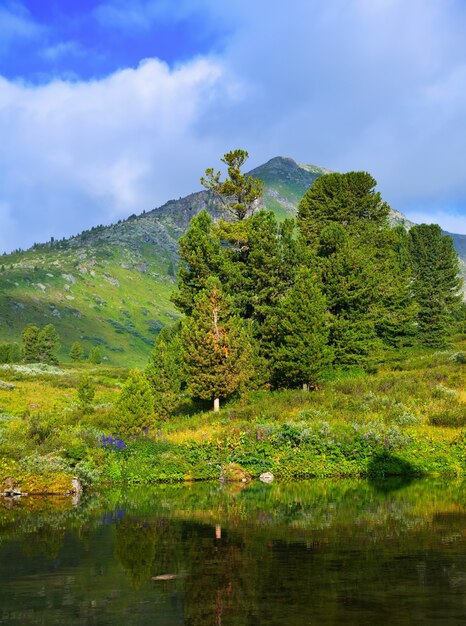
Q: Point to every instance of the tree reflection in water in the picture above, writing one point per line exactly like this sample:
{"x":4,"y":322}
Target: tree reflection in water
{"x":321,"y":552}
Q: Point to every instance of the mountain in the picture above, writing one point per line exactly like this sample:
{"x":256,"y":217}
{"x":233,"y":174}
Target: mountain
{"x":110,"y":286}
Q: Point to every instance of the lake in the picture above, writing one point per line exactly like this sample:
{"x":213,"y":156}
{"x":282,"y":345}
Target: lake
{"x":320,"y":552}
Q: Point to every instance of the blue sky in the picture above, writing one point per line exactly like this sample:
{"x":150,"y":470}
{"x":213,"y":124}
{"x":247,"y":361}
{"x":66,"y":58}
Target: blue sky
{"x":112,"y":107}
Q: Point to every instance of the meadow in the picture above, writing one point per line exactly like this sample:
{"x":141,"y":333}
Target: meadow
{"x":407,"y":416}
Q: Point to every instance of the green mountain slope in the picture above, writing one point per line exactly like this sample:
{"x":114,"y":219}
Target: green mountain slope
{"x":110,"y":286}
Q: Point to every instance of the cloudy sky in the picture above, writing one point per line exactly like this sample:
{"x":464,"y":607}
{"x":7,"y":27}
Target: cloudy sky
{"x":111,"y":107}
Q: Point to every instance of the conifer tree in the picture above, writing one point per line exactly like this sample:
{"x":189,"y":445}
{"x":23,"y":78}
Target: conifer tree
{"x":134,"y":409}
{"x":344,"y":227}
{"x":48,"y":343}
{"x":30,"y":337}
{"x":347,"y":199}
{"x":217,"y":349}
{"x":4,"y":352}
{"x":238,"y":193}
{"x":303,"y":331}
{"x":164,"y":371}
{"x":436,"y":282}
{"x":76,"y":351}
{"x":201,"y":257}
{"x":95,"y":355}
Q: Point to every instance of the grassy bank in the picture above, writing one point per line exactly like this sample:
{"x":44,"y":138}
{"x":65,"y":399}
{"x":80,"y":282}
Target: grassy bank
{"x":406,"y":418}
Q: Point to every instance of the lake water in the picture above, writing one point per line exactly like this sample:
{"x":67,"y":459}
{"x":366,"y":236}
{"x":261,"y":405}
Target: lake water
{"x":320,"y":552}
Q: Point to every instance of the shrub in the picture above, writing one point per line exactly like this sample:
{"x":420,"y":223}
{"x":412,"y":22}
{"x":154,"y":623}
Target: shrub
{"x":134,"y":409}
{"x":95,"y":356}
{"x":86,"y":392}
{"x":451,"y":414}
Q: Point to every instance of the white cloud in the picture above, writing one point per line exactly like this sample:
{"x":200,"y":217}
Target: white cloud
{"x":378,"y":85}
{"x":84,"y":153}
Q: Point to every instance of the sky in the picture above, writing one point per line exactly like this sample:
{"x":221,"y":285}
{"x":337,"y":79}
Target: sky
{"x":112,"y":107}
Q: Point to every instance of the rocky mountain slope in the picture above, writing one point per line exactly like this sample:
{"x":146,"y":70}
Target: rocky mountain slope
{"x":110,"y":286}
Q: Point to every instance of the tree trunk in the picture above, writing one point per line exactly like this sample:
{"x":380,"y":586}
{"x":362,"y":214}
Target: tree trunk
{"x":216,"y":405}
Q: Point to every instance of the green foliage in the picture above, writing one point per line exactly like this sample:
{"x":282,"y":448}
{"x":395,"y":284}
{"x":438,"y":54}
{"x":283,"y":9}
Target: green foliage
{"x":347,"y":199}
{"x":4,"y":352}
{"x":30,"y":338}
{"x":449,"y":412}
{"x":134,"y":409}
{"x":86,"y":392}
{"x":201,"y":258}
{"x":15,"y":353}
{"x":436,"y":283}
{"x":40,"y":345}
{"x":344,"y":227}
{"x":164,"y":371}
{"x":217,"y":349}
{"x":238,"y":193}
{"x":302,"y":344}
{"x":95,"y":355}
{"x":76,"y":351}
{"x":48,"y":344}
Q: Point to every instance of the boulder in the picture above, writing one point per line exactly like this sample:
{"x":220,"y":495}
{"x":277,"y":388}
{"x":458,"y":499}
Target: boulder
{"x":267,"y":477}
{"x":234,"y":473}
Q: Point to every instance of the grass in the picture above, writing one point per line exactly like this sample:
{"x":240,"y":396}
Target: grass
{"x":408,"y":417}
{"x":80,"y":292}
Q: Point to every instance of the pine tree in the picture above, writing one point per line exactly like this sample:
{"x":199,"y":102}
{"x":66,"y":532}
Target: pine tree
{"x":303,"y":332}
{"x":436,"y":282}
{"x":260,"y":260}
{"x":95,"y":356}
{"x":201,"y":258}
{"x":48,"y":343}
{"x":345,"y":232}
{"x":134,"y":409}
{"x":30,"y":337}
{"x":217,"y":349}
{"x":76,"y":351}
{"x":238,"y":193}
{"x":347,"y":199}
{"x":4,"y":352}
{"x":164,"y":371}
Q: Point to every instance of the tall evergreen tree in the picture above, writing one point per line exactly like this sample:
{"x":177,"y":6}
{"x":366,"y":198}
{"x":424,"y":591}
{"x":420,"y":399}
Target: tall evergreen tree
{"x":303,"y":331}
{"x":30,"y":337}
{"x":238,"y":193}
{"x":217,"y":349}
{"x":48,"y":343}
{"x":200,"y":258}
{"x":344,"y":227}
{"x":164,"y":371}
{"x":436,"y":282}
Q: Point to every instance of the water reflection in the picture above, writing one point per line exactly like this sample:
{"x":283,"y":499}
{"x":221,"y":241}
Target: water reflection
{"x":320,"y":552}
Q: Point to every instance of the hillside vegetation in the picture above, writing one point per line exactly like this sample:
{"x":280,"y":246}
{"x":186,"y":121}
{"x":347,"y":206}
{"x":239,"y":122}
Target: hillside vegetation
{"x":366,"y":315}
{"x":110,"y":286}
{"x":408,"y":417}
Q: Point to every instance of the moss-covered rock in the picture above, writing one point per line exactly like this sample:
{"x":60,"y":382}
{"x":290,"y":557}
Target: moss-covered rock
{"x":234,"y":473}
